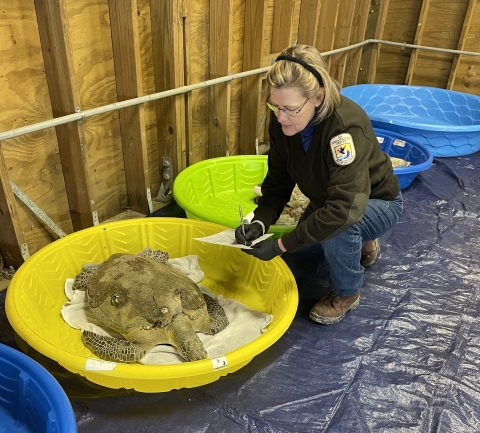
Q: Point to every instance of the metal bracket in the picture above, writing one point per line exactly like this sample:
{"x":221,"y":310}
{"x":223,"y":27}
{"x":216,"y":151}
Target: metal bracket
{"x":78,"y":110}
{"x":24,"y":251}
{"x":163,"y":192}
{"x":96,"y":221}
{"x":149,"y":201}
{"x":36,"y":210}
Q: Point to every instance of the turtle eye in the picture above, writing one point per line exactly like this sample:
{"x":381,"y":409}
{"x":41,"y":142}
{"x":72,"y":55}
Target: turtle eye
{"x":117,"y":300}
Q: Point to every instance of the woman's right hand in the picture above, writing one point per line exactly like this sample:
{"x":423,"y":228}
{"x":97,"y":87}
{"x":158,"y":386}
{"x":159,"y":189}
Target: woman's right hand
{"x":252,"y":231}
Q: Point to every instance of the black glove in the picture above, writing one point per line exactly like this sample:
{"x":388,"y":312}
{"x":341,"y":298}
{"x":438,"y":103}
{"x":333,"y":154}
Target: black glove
{"x":265,"y":250}
{"x":252,"y":231}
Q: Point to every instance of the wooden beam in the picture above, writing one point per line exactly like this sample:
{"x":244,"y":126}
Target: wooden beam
{"x":422,"y":20}
{"x":359,"y":27}
{"x":128,"y":76}
{"x":189,"y":36}
{"x":461,"y":42}
{"x":308,"y":21}
{"x":168,"y":50}
{"x":282,"y":25}
{"x":11,"y":233}
{"x":221,"y":22}
{"x":53,"y":28}
{"x":375,"y":29}
{"x":342,"y":38}
{"x":255,"y":11}
{"x":327,"y":27}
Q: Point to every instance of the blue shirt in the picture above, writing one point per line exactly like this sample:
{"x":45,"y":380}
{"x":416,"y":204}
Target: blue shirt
{"x":307,"y":133}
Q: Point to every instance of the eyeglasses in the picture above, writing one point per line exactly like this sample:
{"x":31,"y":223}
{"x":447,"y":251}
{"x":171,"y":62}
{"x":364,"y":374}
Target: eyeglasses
{"x":289,"y":113}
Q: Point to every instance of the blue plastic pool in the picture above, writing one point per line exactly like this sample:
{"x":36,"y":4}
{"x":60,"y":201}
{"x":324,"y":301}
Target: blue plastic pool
{"x":398,"y":146}
{"x":444,"y":121}
{"x":31,"y":400}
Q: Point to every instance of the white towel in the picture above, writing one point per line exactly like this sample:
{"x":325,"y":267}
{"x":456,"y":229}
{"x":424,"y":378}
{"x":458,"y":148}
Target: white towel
{"x":245,"y":324}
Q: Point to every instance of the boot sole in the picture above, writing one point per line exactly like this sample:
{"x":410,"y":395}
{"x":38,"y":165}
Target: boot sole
{"x":331,"y":320}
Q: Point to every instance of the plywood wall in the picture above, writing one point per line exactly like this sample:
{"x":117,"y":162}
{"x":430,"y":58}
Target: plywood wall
{"x":60,"y":56}
{"x":449,"y":24}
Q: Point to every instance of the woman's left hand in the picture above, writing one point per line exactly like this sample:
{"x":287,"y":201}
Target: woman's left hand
{"x":265,"y":250}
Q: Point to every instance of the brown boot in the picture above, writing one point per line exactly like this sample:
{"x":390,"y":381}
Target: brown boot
{"x":370,"y":253}
{"x":333,"y":308}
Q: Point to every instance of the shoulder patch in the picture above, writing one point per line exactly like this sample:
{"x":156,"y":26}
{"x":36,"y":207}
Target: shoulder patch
{"x":343,"y":149}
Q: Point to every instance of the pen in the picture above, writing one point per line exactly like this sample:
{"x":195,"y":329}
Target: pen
{"x":241,"y":219}
{"x":240,"y":211}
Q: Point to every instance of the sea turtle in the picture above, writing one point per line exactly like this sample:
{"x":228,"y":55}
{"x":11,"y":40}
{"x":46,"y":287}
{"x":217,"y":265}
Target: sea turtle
{"x":149,"y":303}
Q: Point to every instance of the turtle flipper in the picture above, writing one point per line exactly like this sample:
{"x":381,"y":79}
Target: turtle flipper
{"x":218,"y":319}
{"x":186,"y":340}
{"x":82,"y":279}
{"x":157,"y":255}
{"x":113,"y":349}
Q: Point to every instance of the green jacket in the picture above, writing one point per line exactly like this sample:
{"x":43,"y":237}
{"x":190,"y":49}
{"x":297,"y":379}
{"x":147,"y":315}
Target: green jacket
{"x":338,"y":186}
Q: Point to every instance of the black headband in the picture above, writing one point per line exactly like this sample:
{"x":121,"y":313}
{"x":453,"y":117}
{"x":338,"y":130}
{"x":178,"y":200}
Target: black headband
{"x":305,"y":65}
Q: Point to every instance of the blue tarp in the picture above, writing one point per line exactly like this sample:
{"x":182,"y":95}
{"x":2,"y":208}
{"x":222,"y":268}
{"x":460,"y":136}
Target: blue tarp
{"x":407,"y":359}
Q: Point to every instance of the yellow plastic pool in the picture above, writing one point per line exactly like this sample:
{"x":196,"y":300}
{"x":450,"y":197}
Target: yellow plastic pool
{"x":36,"y":295}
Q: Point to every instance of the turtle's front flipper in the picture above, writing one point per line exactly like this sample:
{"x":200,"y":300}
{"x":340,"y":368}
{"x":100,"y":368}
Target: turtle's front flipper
{"x":218,"y":319}
{"x":113,"y":349}
{"x":186,"y":340}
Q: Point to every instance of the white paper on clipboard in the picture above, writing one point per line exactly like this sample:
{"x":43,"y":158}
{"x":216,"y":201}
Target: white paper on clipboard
{"x":227,"y":238}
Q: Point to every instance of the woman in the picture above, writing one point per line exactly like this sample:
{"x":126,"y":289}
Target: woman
{"x":325,"y":143}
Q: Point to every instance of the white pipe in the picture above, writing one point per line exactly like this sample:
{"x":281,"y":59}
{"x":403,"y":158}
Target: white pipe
{"x":442,"y":50}
{"x":123,"y":104}
{"x":184,"y":89}
{"x":347,"y":48}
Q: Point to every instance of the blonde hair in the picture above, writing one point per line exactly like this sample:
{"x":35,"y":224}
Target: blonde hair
{"x":288,"y":73}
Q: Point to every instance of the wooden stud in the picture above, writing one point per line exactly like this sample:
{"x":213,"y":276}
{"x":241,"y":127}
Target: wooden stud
{"x":359,"y":26}
{"x":168,"y":50}
{"x":375,"y":29}
{"x":343,"y":29}
{"x":189,"y":35}
{"x":282,"y":25}
{"x":422,"y":20}
{"x":58,"y":59}
{"x":327,"y":27}
{"x":11,"y":233}
{"x":378,"y":35}
{"x":221,"y":21}
{"x":128,"y":76}
{"x":461,"y":42}
{"x":308,"y":21}
{"x":251,"y":86}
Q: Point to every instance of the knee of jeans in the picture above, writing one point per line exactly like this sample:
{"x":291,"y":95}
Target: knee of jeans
{"x":352,"y":232}
{"x":351,"y":235}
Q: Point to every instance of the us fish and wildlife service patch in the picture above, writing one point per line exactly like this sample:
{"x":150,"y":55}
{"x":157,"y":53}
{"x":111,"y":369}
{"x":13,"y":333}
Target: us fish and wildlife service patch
{"x":343,"y":149}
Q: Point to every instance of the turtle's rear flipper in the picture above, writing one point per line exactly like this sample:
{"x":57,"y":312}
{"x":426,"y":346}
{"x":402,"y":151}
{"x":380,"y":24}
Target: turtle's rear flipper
{"x":113,"y":349}
{"x":186,"y":340}
{"x":218,"y":319}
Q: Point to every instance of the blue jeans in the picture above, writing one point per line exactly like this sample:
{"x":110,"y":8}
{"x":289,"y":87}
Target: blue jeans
{"x":343,"y":252}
